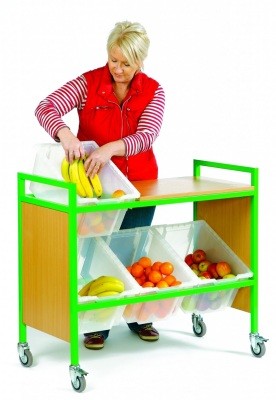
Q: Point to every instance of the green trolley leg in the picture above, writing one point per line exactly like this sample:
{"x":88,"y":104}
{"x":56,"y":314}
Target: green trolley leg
{"x":25,"y":355}
{"x":257,"y":342}
{"x":77,"y":374}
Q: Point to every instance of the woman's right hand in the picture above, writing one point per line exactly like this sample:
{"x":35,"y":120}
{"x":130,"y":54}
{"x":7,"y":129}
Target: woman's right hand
{"x":72,"y":146}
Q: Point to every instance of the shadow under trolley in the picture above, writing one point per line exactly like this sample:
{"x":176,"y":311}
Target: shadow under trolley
{"x":48,"y":259}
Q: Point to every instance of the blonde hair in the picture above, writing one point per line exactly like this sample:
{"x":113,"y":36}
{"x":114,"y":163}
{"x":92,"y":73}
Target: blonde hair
{"x":132,"y":39}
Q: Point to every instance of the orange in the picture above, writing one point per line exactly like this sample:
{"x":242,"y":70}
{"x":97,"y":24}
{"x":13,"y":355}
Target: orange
{"x":143,"y":278}
{"x":162,"y":284}
{"x":176,"y":283}
{"x":83,"y":229}
{"x":100,"y":228}
{"x":166,"y":268}
{"x":145,"y":261}
{"x":147,"y":271}
{"x":139,"y":280}
{"x":96,"y":218}
{"x":148,"y":284}
{"x":155,"y":276}
{"x":129,"y":267}
{"x":137,"y":270}
{"x":156,"y":266}
{"x":118,"y":193}
{"x":169,"y":279}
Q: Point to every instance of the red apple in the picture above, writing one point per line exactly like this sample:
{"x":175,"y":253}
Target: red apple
{"x":194,"y":266}
{"x":199,"y":255}
{"x":189,"y":259}
{"x":206,"y":275}
{"x":223,"y":268}
{"x":213,"y":270}
{"x":203,"y":265}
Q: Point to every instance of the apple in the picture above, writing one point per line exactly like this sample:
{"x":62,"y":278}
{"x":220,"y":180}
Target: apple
{"x":212,"y":296}
{"x":189,"y":259}
{"x":206,"y":275}
{"x":229,"y":276}
{"x":195,"y":271}
{"x":223,"y":268}
{"x":199,"y":255}
{"x":213,"y":270}
{"x":189,"y":303}
{"x":194,"y":266}
{"x":203,"y":265}
{"x":96,"y":218}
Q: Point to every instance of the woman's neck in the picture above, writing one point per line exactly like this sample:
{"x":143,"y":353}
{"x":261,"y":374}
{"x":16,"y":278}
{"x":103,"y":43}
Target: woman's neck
{"x":120,"y":90}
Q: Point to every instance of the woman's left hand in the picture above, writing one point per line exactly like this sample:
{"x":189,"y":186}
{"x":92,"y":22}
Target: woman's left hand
{"x":99,"y":157}
{"x":95,"y":161}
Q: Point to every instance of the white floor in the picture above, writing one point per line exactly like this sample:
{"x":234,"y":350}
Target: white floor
{"x":179,"y":366}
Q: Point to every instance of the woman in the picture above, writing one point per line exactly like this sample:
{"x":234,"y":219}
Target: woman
{"x":121,"y":109}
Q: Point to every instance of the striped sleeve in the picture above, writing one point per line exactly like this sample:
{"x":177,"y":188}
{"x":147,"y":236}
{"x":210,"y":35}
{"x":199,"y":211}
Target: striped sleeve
{"x":149,"y":125}
{"x":49,"y":112}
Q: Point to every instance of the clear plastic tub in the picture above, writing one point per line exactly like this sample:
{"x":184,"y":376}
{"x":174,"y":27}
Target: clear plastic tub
{"x":96,"y":259}
{"x":131,"y":244}
{"x":187,"y":237}
{"x":48,"y":164}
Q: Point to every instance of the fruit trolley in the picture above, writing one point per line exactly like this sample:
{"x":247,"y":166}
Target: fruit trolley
{"x":48,"y":253}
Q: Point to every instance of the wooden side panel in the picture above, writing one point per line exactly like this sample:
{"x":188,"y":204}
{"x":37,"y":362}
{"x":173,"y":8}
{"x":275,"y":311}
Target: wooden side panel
{"x":230,"y":219}
{"x":46,"y":270}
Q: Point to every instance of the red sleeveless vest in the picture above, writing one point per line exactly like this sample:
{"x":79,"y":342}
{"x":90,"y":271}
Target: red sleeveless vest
{"x":104,"y":120}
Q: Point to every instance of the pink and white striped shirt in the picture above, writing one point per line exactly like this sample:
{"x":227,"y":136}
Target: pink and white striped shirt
{"x":73,"y":94}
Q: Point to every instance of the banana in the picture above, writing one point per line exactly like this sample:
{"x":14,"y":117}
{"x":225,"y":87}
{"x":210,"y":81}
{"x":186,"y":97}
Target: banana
{"x":106,"y":286}
{"x":85,"y":289}
{"x":104,"y":279}
{"x":102,"y":286}
{"x":85,"y":181}
{"x":74,"y":177}
{"x":97,"y":186}
{"x":65,"y":170}
{"x":108,"y":293}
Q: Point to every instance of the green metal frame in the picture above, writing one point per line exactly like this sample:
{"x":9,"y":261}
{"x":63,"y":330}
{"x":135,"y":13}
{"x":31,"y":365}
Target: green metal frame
{"x":254,"y":180}
{"x":73,"y":209}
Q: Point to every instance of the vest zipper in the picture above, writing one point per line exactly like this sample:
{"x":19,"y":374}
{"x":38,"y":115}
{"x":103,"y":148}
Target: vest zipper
{"x":122,"y":125}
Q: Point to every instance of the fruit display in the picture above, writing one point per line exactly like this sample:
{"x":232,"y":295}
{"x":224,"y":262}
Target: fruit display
{"x":102,"y":286}
{"x":75,"y":172}
{"x":150,"y":311}
{"x":93,"y":223}
{"x":153,"y":274}
{"x":204,"y":268}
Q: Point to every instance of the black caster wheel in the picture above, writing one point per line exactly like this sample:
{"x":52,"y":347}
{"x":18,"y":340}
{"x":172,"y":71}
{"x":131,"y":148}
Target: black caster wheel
{"x":79,"y":384}
{"x":26,"y":358}
{"x":200,"y":328}
{"x":258,"y":350}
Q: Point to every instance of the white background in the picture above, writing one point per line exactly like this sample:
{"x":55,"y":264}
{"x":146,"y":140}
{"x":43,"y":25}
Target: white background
{"x":216,"y":60}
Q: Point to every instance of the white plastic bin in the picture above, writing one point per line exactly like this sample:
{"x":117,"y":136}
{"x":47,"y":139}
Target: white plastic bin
{"x":48,"y":164}
{"x":131,"y":244}
{"x":187,"y":237}
{"x":96,"y":259}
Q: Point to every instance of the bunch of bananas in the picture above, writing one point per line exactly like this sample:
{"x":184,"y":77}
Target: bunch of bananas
{"x":75,"y":172}
{"x":103,"y":286}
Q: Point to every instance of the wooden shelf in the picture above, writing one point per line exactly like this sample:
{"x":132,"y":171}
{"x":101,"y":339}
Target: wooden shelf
{"x":185,"y":186}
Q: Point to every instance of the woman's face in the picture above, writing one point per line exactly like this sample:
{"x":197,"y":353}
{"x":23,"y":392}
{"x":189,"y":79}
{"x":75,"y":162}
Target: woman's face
{"x":119,"y":67}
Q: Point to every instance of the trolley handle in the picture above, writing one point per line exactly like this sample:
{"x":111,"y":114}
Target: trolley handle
{"x":22,"y":178}
{"x":197,"y":164}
